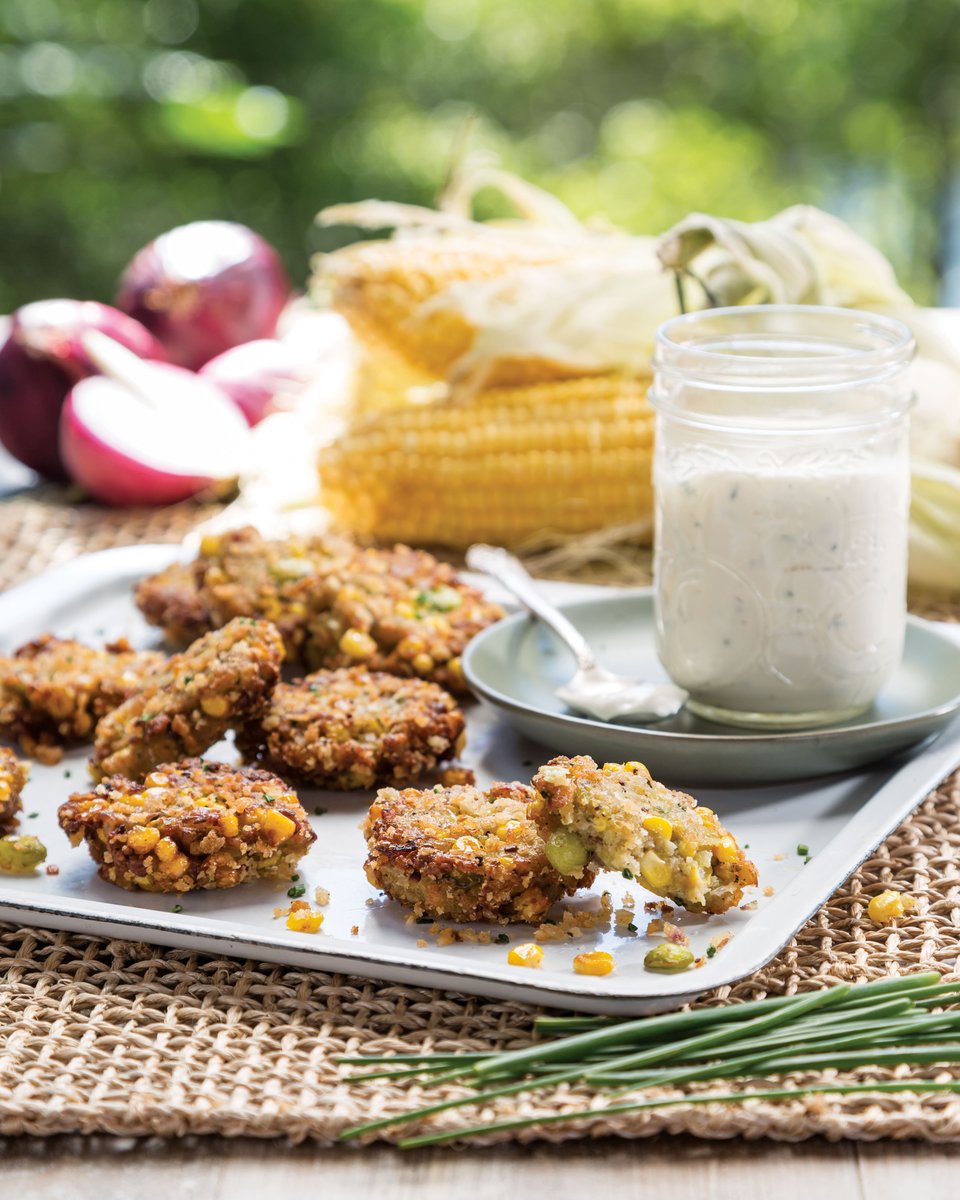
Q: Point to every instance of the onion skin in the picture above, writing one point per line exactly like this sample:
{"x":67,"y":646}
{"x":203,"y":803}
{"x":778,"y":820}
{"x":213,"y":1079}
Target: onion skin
{"x":204,"y":288}
{"x":41,"y":359}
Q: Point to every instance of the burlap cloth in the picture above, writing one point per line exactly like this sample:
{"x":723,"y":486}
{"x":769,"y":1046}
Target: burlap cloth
{"x":120,"y":1037}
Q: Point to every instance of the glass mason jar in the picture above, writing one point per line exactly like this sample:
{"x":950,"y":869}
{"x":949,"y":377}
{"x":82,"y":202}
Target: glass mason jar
{"x":782,"y":485}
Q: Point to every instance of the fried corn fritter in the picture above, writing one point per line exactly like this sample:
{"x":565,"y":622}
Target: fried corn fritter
{"x":172,"y":601}
{"x":355,"y":728}
{"x":399,"y":611}
{"x":335,"y":603}
{"x":13,"y":779}
{"x":463,"y":854}
{"x":53,"y":691}
{"x":223,"y":680}
{"x":190,"y":825}
{"x":625,"y":821}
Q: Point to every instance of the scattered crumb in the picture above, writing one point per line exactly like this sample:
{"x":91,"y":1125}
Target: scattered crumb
{"x":321,"y":897}
{"x":629,"y":901}
{"x":452,"y":776}
{"x":654,"y":927}
{"x":660,"y":906}
{"x":673,"y":933}
{"x":717,"y":943}
{"x":355,"y":930}
{"x":768,"y":890}
{"x":623,"y":916}
{"x":574,"y":924}
{"x":301,"y":918}
{"x":779,"y":857}
{"x":421,"y":943}
{"x":52,"y":869}
{"x":749,"y":906}
{"x":369,"y":902}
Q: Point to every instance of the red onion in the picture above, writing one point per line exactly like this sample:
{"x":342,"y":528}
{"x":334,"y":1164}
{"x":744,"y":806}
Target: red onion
{"x":41,"y":359}
{"x":261,"y":377}
{"x":204,"y":288}
{"x":149,"y":433}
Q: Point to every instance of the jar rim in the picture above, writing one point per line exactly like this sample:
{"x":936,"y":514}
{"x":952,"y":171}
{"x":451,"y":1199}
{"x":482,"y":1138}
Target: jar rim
{"x":887,"y":343}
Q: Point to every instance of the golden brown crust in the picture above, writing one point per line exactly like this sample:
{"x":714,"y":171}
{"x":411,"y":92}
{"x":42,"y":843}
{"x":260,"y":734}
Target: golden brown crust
{"x":629,"y":822}
{"x":337,"y":604}
{"x":190,"y":825}
{"x":171,"y":600}
{"x":53,"y":691}
{"x":354,"y":728}
{"x":462,"y":854}
{"x":13,"y":779}
{"x":224,"y":679}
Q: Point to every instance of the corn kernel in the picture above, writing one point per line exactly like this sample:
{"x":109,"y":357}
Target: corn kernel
{"x":509,"y":829}
{"x":635,"y":767}
{"x":304,"y":922}
{"x":176,"y":866}
{"x":166,"y":848}
{"x":595,"y":962}
{"x":142,"y":840}
{"x":686,"y":849}
{"x":527,"y":955}
{"x":658,"y":825}
{"x":467,"y":845}
{"x":356,"y":644}
{"x":422,"y":664}
{"x":612,"y":768}
{"x":654,"y":870}
{"x":277,"y":824}
{"x":889,"y":906}
{"x":726,"y":851}
{"x":210,"y":545}
{"x":229,"y":825}
{"x":214,"y":706}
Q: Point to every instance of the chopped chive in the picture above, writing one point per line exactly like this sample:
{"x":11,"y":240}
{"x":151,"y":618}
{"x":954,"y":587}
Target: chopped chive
{"x":177,"y":908}
{"x":502,"y":938}
{"x":711,"y":951}
{"x":297,"y":891}
{"x":627,"y":873}
{"x":802,"y":849}
{"x":318,"y":811}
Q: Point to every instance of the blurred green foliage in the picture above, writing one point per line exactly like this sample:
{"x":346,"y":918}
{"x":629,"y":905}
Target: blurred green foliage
{"x":121,"y":118}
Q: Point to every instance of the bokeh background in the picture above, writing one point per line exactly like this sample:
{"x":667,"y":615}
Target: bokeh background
{"x":121,"y":118}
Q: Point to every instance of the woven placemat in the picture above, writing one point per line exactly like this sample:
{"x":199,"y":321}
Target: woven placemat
{"x":109,"y":1036}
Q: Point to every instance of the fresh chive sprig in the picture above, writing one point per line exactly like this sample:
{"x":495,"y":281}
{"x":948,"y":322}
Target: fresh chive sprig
{"x":888,"y":1022}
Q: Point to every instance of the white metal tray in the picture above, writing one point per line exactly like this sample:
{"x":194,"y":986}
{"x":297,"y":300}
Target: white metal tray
{"x":840,"y":819}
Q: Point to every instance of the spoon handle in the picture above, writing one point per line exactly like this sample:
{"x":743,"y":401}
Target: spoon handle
{"x":503,"y":566}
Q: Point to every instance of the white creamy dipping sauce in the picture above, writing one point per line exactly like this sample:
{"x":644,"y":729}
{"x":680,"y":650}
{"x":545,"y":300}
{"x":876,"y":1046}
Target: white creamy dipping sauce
{"x":782,"y":587}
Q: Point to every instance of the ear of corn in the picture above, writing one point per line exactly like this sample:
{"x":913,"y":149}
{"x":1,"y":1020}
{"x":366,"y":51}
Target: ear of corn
{"x":503,"y":465}
{"x":527,"y":449}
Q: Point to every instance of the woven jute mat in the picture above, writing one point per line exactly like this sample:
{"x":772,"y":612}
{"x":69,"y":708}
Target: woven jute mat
{"x":101,"y":1036}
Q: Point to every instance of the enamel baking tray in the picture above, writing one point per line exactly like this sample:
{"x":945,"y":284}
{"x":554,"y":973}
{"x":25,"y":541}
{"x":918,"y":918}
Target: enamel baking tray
{"x":840,"y":819}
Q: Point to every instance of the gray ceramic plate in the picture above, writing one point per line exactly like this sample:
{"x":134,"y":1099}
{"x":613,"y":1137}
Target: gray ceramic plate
{"x":516,"y":665}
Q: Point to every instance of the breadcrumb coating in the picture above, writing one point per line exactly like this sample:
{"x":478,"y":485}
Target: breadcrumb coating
{"x":628,"y":822}
{"x":13,"y":779}
{"x":190,"y":825}
{"x":463,"y":854}
{"x":223,"y":680}
{"x":53,"y":691}
{"x":353,"y":728}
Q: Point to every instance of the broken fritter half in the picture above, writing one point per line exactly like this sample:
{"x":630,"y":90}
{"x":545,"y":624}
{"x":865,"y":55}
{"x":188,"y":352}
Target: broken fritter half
{"x":463,"y":854}
{"x":618,"y":817}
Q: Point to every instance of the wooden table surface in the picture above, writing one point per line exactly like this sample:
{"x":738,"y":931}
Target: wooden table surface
{"x":680,"y":1168}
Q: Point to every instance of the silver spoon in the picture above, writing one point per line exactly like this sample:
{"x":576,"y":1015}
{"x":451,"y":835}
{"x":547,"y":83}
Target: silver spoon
{"x":594,"y":690}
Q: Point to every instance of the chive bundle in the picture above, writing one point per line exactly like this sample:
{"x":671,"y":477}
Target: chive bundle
{"x":890,"y":1022}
